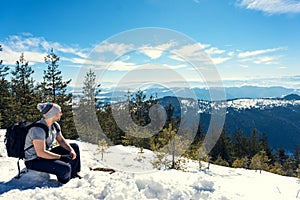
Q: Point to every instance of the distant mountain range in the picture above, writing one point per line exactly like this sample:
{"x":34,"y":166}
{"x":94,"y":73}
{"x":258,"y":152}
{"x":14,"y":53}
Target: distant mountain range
{"x":253,"y":92}
{"x":278,"y":118}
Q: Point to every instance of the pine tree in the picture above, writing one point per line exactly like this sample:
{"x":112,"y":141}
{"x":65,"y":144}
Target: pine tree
{"x":161,"y":160}
{"x":260,"y":161}
{"x":3,"y":68}
{"x":202,"y":156}
{"x":264,"y":145}
{"x":23,"y":91}
{"x":138,"y":108}
{"x":175,"y":146}
{"x":241,"y":163}
{"x":239,"y":145}
{"x":86,"y":114}
{"x":55,"y":87}
{"x":221,"y":161}
{"x":254,"y":144}
{"x":281,"y":156}
{"x":55,"y":90}
{"x":288,"y":166}
{"x":102,"y":147}
{"x":137,"y":136}
{"x":277,"y":169}
{"x":298,"y":171}
{"x":141,"y":110}
{"x":91,"y":88}
{"x":222,"y":147}
{"x":6,"y":98}
{"x":108,"y":125}
{"x":296,"y":155}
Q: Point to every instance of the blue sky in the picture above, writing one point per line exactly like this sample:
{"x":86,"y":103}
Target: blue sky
{"x":250,"y":42}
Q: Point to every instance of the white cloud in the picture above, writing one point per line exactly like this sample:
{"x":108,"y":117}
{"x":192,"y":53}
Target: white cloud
{"x":283,"y":67}
{"x":261,"y":56}
{"x":34,"y":49}
{"x":191,"y":49}
{"x":177,"y":58}
{"x":230,"y":54}
{"x":204,"y":52}
{"x":152,"y":53}
{"x":162,"y":66}
{"x":244,"y":66}
{"x":155,"y":52}
{"x":125,"y":66}
{"x":272,"y":6}
{"x":258,"y":52}
{"x":220,"y":60}
{"x":80,"y":61}
{"x":121,"y":66}
{"x":214,"y":50}
{"x":268,"y":60}
{"x":115,"y":48}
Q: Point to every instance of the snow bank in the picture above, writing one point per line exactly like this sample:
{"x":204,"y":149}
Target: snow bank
{"x":216,"y":183}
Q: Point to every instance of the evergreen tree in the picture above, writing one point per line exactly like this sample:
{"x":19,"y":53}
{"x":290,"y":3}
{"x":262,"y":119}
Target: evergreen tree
{"x":86,"y":113}
{"x":298,"y":171}
{"x":264,"y":145}
{"x":222,"y":162}
{"x":6,"y":98}
{"x":222,"y":147}
{"x":175,"y":146}
{"x":138,"y":108}
{"x":108,"y":124}
{"x":277,"y":169}
{"x":137,"y":136}
{"x":91,"y":88}
{"x":168,"y":143}
{"x":55,"y":90}
{"x":260,"y":161}
{"x":170,"y":114}
{"x":281,"y":156}
{"x":24,"y":107}
{"x":102,"y":147}
{"x":3,"y":69}
{"x":141,"y":110}
{"x":241,"y":163}
{"x":288,"y":166}
{"x":296,"y":155}
{"x":55,"y":87}
{"x":161,"y":160}
{"x":239,"y":145}
{"x":254,"y":144}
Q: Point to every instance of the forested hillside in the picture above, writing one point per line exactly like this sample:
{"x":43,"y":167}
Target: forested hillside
{"x":244,"y":142}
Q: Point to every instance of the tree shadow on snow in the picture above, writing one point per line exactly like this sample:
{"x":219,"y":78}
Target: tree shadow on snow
{"x":29,"y":180}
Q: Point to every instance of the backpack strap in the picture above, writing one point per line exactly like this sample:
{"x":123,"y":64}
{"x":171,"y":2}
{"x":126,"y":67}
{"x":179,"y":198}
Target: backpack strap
{"x":43,"y":126}
{"x":19,"y":173}
{"x":40,"y":125}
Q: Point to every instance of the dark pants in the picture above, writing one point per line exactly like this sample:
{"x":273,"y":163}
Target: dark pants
{"x":63,"y":171}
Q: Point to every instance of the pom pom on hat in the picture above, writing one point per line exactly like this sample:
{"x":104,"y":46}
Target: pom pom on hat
{"x":48,"y":109}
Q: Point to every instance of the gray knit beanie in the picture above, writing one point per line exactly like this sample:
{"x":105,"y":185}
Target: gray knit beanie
{"x":48,"y":109}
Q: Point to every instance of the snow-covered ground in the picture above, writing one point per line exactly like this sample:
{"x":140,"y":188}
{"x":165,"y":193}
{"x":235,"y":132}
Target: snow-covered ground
{"x":242,"y":104}
{"x":136,"y":179}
